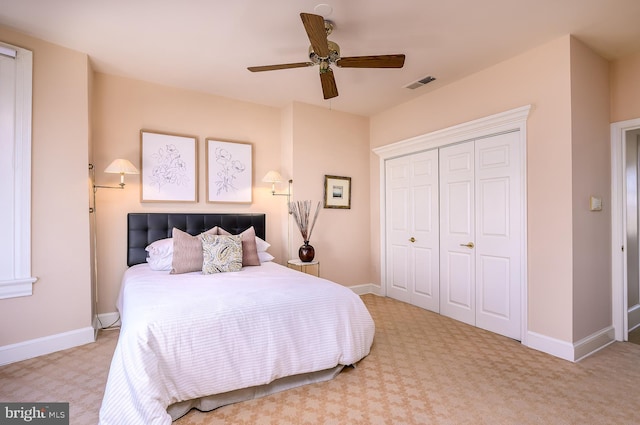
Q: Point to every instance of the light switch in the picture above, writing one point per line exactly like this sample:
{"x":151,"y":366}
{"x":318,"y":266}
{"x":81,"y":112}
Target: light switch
{"x":595,"y":204}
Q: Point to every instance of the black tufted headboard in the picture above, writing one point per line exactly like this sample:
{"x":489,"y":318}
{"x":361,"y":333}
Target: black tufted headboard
{"x":144,"y":228}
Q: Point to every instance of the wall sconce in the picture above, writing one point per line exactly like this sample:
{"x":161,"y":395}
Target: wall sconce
{"x":274,"y":177}
{"x":118,"y":166}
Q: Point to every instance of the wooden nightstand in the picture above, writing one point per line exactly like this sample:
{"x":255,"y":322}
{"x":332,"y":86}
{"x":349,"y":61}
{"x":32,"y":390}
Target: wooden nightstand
{"x":312,"y":267}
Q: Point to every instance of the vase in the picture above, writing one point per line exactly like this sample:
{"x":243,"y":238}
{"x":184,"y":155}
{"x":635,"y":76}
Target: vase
{"x":306,"y":252}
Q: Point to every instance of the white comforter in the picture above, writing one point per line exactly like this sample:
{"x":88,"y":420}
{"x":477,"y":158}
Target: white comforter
{"x":191,"y":335}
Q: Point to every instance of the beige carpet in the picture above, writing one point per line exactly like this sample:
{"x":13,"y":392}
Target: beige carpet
{"x":423,"y":369}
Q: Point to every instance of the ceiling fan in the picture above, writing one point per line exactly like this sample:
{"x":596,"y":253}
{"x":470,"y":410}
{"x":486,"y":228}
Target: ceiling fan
{"x":324,"y":53}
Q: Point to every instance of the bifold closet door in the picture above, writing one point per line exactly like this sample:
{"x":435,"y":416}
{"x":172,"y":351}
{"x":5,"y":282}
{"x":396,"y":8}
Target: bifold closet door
{"x":480,"y":233}
{"x":457,"y":233}
{"x":412,"y":248}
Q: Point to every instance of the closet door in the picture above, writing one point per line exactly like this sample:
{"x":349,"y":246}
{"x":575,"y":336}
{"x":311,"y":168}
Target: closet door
{"x":412,"y":229}
{"x":498,"y":234}
{"x":480,"y":233}
{"x":457,"y":233}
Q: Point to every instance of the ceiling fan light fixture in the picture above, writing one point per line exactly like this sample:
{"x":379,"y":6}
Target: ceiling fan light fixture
{"x":334,"y":53}
{"x":324,"y":66}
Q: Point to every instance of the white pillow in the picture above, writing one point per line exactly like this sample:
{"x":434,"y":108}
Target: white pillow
{"x":160,"y":263}
{"x":161,"y":247}
{"x":262,"y":245}
{"x":160,"y":254}
{"x":265,"y":256}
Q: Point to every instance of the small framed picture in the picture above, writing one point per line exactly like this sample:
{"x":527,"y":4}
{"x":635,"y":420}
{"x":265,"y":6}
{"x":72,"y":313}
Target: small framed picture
{"x":229,"y":171}
{"x":337,"y":192}
{"x":169,"y":167}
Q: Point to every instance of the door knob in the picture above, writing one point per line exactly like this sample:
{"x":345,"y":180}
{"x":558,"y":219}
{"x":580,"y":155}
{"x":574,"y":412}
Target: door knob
{"x":468,"y":245}
{"x":412,"y":239}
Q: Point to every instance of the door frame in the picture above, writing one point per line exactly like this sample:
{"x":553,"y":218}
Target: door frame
{"x":511,"y":120}
{"x":619,"y":227}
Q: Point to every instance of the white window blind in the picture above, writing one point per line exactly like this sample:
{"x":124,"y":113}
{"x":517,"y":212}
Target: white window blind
{"x":15,"y":171}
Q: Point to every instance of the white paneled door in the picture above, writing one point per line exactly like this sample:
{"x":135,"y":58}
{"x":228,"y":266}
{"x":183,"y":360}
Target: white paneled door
{"x":457,"y":227}
{"x":499,"y":235}
{"x":412,"y":238}
{"x":480,"y":233}
{"x":454,"y":237}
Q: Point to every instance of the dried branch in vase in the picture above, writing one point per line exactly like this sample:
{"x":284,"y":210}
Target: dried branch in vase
{"x":301,"y":210}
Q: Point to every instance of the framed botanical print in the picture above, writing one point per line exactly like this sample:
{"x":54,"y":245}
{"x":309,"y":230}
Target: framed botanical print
{"x":229,"y":171}
{"x":169,"y":165}
{"x":337,"y":192}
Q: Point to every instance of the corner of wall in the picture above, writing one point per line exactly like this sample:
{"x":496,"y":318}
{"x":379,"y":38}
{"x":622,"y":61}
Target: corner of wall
{"x":571,"y":352}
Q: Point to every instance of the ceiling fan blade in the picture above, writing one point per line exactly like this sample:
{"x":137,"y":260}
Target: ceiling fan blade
{"x":329,"y":88}
{"x":314,"y":25}
{"x":383,"y":61}
{"x":280,"y":66}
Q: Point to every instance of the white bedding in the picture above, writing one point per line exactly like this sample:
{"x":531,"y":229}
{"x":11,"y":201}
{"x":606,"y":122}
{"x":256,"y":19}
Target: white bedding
{"x":191,"y":335}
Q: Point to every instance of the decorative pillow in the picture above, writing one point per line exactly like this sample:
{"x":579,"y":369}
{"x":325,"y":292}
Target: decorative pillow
{"x":160,"y":263}
{"x":265,"y":257}
{"x":160,"y":254}
{"x":249,"y":247}
{"x":221,"y":254}
{"x":262,"y":245}
{"x":187,"y":251}
{"x":161,"y":247}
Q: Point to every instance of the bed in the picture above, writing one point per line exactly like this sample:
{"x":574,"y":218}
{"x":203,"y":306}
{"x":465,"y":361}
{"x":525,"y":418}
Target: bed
{"x":196,"y":340}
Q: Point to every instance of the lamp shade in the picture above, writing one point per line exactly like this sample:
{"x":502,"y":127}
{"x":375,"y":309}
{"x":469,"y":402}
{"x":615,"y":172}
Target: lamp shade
{"x":121,"y":166}
{"x":272,"y":177}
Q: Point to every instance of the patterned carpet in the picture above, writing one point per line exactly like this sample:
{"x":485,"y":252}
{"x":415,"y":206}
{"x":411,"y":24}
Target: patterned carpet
{"x":423,"y":369}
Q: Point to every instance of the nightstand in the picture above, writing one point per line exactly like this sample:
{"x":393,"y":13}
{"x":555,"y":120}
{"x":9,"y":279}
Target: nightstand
{"x":312,"y":267}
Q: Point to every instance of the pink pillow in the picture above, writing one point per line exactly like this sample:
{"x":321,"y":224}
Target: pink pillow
{"x":249,"y":246}
{"x":187,"y":251}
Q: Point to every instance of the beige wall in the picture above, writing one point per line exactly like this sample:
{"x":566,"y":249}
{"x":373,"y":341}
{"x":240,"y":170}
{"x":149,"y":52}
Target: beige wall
{"x":61,"y":300}
{"x":591,"y":169}
{"x":625,"y":88}
{"x":540,"y":77}
{"x":328,"y":142}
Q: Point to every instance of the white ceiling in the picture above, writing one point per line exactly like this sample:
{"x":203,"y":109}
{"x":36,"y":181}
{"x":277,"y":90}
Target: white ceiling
{"x":206,"y":45}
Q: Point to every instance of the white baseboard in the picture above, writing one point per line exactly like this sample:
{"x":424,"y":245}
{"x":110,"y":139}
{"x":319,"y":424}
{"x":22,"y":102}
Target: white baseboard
{"x":45,"y":345}
{"x":633,"y":319}
{"x":367,"y":288}
{"x":549,"y":345}
{"x":594,"y":342}
{"x":572,"y":352}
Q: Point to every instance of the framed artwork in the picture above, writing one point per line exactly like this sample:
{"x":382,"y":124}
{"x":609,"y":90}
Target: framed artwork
{"x":337,"y":192}
{"x":229,"y":171}
{"x":169,"y":167}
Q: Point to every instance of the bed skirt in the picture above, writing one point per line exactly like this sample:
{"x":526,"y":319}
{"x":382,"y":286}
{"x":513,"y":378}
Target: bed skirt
{"x":206,"y":404}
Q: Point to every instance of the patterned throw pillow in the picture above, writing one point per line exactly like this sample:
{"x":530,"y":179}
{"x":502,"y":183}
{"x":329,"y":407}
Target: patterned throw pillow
{"x":221,"y":254}
{"x":249,"y":246}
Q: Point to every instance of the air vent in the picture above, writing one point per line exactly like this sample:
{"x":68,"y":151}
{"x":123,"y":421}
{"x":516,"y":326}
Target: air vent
{"x":420,"y":83}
